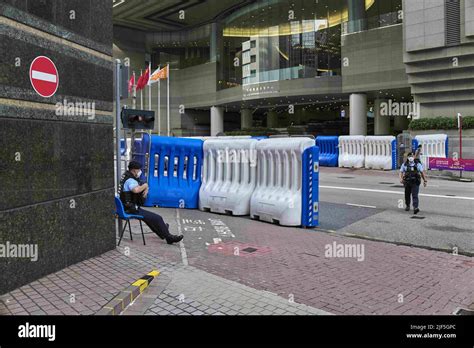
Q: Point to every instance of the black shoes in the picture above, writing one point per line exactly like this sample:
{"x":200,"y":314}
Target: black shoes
{"x":407,"y":208}
{"x":416,"y":210}
{"x":174,"y":239}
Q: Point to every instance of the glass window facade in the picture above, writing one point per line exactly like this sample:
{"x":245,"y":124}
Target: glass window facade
{"x":384,"y":12}
{"x":288,"y":40}
{"x":377,"y":14}
{"x":182,"y":49}
{"x":274,"y":40}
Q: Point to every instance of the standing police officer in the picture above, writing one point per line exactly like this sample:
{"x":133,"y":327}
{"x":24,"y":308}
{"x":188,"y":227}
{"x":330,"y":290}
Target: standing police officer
{"x":132,"y":194}
{"x":411,"y":173}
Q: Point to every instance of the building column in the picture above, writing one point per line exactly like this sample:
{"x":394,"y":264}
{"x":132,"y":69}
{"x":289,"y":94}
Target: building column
{"x":272,"y":119}
{"x":382,"y":122}
{"x":357,"y":15}
{"x":217,"y":120}
{"x":245,"y":118}
{"x":358,"y":114}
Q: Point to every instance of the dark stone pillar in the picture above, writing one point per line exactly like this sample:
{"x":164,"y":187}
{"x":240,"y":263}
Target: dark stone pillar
{"x":56,"y":164}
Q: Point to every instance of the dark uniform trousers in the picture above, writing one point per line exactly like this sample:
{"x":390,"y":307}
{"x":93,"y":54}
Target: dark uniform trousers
{"x":155,"y":222}
{"x":412,"y":189}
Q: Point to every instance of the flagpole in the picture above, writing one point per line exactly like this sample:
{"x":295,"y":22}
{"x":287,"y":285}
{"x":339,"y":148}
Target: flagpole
{"x":134,"y":89}
{"x":159,"y":107}
{"x":149,"y":86}
{"x":141,"y":94}
{"x":168,"y":111}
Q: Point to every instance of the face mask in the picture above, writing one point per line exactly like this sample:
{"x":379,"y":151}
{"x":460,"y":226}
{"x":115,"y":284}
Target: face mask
{"x":139,"y":174}
{"x":411,"y":159}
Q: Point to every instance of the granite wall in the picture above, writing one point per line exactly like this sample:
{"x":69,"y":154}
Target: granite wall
{"x":56,"y":170}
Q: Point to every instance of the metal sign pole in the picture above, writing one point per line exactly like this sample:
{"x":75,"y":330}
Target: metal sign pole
{"x":460,"y":141}
{"x":168,"y":110}
{"x":117,"y":121}
{"x":118,"y":168}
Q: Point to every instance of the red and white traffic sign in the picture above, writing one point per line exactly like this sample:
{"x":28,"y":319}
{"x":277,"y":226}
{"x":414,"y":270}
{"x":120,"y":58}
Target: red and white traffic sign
{"x":44,"y":76}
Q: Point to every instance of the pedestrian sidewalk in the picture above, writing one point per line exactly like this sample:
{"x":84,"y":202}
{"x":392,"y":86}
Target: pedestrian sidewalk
{"x":84,"y":288}
{"x":191,"y":291}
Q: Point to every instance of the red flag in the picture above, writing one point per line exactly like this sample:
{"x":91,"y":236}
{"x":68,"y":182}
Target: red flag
{"x":143,"y":79}
{"x":140,"y":83}
{"x":131,"y":83}
{"x":146,"y":76}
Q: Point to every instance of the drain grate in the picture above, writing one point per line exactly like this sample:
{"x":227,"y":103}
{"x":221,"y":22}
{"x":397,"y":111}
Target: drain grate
{"x":451,"y":195}
{"x":346,"y":177}
{"x":233,"y":248}
{"x":249,"y":250}
{"x":386,"y":183}
{"x":397,"y":186}
{"x":417,"y":217}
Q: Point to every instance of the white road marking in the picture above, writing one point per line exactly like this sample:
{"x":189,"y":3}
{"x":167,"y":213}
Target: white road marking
{"x":394,"y":192}
{"x":184,"y":256}
{"x":361,"y":205}
{"x":39,"y":75}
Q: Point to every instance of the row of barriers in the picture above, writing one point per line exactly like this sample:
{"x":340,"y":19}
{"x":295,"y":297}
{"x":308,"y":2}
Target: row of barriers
{"x":274,"y":180}
{"x":371,"y":152}
{"x":375,"y":152}
{"x":270,"y":179}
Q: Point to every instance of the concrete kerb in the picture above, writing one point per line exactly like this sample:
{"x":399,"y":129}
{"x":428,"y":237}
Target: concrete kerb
{"x":128,"y":295}
{"x":375,"y":239}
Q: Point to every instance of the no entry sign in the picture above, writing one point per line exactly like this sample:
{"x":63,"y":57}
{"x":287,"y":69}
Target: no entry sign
{"x":44,"y":76}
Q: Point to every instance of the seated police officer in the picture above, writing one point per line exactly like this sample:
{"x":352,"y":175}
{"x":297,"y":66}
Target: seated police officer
{"x":411,"y":173}
{"x":133,"y":194}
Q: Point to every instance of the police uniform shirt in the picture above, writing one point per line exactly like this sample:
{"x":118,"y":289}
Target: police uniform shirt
{"x":403,"y":168}
{"x":129,"y":185}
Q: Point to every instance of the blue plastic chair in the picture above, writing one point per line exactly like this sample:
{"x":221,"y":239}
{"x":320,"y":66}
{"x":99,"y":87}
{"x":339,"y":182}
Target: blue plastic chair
{"x":122,"y":215}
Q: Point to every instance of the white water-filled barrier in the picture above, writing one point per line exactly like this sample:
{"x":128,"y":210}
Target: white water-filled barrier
{"x":287,"y":182}
{"x":229,"y":175}
{"x":352,"y":151}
